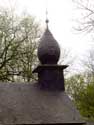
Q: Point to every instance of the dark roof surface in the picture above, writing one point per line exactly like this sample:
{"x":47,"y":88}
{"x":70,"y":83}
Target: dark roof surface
{"x":26,"y":104}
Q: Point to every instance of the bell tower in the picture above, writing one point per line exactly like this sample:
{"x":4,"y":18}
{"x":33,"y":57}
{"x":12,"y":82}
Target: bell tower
{"x":50,"y":74}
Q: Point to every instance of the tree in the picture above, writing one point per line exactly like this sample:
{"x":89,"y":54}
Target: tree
{"x":86,"y":19}
{"x":8,"y":43}
{"x":88,"y":64}
{"x":74,"y":85}
{"x":18,"y":38}
{"x":86,"y":101}
{"x":86,"y":23}
{"x":82,"y":93}
{"x":27,"y":57}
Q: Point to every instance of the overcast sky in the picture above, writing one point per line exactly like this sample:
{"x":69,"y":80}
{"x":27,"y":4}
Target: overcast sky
{"x":61,"y":14}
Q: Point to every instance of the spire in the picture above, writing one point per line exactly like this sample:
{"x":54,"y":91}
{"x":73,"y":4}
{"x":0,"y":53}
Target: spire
{"x":48,"y":49}
{"x":47,"y":20}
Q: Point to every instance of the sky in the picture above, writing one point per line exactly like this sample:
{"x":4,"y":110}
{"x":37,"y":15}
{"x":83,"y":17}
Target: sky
{"x":61,"y":15}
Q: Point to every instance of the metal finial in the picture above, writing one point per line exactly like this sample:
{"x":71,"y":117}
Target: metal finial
{"x":47,"y":21}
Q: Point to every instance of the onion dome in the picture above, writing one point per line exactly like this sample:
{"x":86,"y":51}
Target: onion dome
{"x":48,"y":49}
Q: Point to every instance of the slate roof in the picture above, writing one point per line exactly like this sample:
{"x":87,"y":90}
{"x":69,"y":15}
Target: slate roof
{"x":22,"y":103}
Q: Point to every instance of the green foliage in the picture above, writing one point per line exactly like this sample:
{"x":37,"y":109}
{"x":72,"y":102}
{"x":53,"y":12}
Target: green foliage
{"x":82,"y":93}
{"x":86,"y":101}
{"x":74,"y":85}
{"x":18,"y":42}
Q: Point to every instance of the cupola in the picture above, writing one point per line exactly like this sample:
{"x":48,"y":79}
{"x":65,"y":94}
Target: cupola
{"x":48,"y":49}
{"x":50,"y":74}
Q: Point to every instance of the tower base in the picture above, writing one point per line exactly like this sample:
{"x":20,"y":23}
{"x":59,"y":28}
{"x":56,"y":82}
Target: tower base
{"x":51,"y":76}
